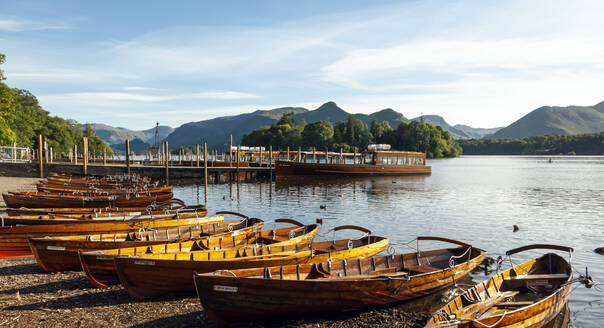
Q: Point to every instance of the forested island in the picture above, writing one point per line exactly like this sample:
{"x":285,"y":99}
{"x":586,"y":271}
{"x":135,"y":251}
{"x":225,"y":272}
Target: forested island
{"x":553,"y":144}
{"x":353,"y":134}
{"x":22,"y":119}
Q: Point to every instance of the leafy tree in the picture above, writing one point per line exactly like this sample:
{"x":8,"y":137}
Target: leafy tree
{"x":22,"y":119}
{"x":584,"y":144}
{"x":283,"y":134}
{"x":317,"y":134}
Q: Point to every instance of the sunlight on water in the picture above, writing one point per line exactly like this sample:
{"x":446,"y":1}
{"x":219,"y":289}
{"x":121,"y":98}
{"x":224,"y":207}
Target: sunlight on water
{"x":476,"y":199}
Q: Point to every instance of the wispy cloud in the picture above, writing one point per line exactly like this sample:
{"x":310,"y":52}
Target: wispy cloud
{"x":14,"y":24}
{"x":137,"y":88}
{"x":462,"y":57}
{"x":96,"y":97}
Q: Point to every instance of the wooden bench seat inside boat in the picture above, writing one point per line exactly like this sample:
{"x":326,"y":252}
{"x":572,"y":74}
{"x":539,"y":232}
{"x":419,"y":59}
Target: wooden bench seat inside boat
{"x":421,"y":268}
{"x":554,"y":276}
{"x":513,"y":304}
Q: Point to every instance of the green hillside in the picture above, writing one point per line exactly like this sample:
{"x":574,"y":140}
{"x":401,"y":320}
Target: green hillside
{"x":546,"y":120}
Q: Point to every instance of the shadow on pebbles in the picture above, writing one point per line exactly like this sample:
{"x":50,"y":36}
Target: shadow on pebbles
{"x":30,"y":297}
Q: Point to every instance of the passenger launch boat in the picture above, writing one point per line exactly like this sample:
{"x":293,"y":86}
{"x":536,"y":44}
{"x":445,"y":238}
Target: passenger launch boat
{"x":376,"y":160}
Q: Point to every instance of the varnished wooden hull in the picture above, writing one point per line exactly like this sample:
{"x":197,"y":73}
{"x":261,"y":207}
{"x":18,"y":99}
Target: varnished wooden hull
{"x":286,"y":168}
{"x":234,"y":298}
{"x":147,"y":277}
{"x":534,"y":315}
{"x":105,"y":211}
{"x":100,"y":268}
{"x":61,"y":254}
{"x":14,"y":240}
{"x":37,"y":200}
{"x":81,"y":219}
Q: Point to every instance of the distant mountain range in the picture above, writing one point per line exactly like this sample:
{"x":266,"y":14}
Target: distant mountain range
{"x":217,"y":131}
{"x":556,"y":120}
{"x":113,"y":135}
{"x":458,"y":131}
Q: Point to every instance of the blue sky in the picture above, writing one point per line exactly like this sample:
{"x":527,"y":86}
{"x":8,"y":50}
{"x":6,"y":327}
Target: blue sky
{"x":130,"y":63}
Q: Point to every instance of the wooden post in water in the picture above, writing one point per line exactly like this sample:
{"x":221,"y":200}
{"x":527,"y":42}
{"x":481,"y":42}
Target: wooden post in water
{"x":314,"y":154}
{"x":326,"y":155}
{"x":271,"y":165}
{"x":85,"y":153}
{"x":14,"y":152}
{"x":104,"y":155}
{"x":75,"y":154}
{"x":40,"y":145}
{"x":299,"y":154}
{"x":51,"y":154}
{"x":127,"y":156}
{"x":197,"y":154}
{"x":354,"y":157}
{"x":288,"y":153}
{"x":238,"y":159}
{"x":341,"y":156}
{"x":167,"y":162}
{"x":205,"y":171}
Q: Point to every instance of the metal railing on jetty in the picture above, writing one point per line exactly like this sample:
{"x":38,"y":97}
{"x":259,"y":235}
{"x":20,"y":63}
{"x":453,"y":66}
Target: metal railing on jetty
{"x":240,"y":162}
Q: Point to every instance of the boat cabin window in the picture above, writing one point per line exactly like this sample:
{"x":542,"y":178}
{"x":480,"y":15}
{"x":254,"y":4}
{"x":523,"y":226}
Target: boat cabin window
{"x":369,"y":158}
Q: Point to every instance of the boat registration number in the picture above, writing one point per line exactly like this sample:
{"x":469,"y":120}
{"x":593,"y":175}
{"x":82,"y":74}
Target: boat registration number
{"x":144,"y":262}
{"x":55,"y":248}
{"x":229,"y":289}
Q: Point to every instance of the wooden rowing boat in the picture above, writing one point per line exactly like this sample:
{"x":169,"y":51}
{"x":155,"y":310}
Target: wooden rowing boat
{"x":13,"y":240}
{"x":103,"y":218}
{"x":104,"y":191}
{"x":61,"y":253}
{"x":174,"y":206}
{"x":99,"y":218}
{"x":152,"y":275}
{"x":41,"y":199}
{"x":235,"y":296}
{"x":530,"y":294}
{"x":100,"y":269}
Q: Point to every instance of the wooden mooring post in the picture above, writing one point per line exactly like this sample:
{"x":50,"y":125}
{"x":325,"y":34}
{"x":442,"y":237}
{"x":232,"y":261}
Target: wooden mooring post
{"x":75,"y":154}
{"x":85,"y":153}
{"x":271,"y":164}
{"x":167,"y":162}
{"x":238,"y":159}
{"x":205,"y":171}
{"x":197,"y":154}
{"x":128,"y":156}
{"x":40,"y":145}
{"x":104,"y":155}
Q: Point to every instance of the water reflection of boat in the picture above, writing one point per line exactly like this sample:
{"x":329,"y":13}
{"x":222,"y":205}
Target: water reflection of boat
{"x":284,"y":182}
{"x":530,"y":294}
{"x":373,"y":161}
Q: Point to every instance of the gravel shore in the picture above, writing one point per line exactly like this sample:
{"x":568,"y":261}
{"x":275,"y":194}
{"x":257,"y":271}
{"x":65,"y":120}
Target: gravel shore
{"x":30,"y":297}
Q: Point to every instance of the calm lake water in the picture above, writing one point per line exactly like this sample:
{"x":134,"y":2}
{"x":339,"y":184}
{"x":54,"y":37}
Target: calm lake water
{"x":476,"y":199}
